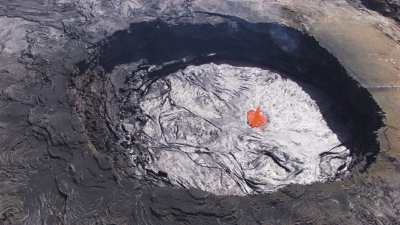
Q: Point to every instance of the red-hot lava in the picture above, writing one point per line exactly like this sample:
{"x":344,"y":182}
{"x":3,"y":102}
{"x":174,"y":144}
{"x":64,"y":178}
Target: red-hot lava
{"x":256,"y":118}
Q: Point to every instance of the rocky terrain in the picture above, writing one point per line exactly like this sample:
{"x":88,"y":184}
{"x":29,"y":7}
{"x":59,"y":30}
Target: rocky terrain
{"x":389,"y":8}
{"x":71,"y":74}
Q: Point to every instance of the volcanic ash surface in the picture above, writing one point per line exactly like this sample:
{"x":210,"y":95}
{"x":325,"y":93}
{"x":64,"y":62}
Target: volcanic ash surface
{"x":199,"y":136}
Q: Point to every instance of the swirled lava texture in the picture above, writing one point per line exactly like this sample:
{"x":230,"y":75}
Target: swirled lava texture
{"x":198,"y":135}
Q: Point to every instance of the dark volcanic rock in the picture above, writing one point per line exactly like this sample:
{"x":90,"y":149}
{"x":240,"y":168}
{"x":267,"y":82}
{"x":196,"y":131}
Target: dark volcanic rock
{"x":63,"y":70}
{"x":390,"y":8}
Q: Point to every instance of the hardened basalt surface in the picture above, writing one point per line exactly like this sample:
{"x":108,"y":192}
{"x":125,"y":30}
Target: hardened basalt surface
{"x":198,"y":135}
{"x":61,"y":159}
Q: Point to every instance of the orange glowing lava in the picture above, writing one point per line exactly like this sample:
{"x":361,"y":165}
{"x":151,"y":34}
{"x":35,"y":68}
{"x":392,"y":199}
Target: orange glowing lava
{"x":256,"y":118}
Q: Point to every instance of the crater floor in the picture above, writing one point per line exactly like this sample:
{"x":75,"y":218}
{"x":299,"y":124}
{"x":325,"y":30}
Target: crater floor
{"x":198,"y":135}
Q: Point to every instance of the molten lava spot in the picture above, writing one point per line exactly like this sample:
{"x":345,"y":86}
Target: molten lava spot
{"x":256,"y":118}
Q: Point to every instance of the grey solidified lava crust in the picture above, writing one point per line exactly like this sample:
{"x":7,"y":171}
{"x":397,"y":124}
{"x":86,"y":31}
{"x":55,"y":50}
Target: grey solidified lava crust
{"x":71,"y":76}
{"x":198,"y":136}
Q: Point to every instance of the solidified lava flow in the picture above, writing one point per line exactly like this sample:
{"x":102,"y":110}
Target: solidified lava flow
{"x":177,"y":112}
{"x":197,"y":132}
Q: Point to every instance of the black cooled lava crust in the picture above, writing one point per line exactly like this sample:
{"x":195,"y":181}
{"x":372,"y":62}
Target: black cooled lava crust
{"x":71,"y":167}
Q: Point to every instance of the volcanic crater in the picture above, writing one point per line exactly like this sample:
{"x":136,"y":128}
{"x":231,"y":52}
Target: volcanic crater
{"x":173,"y":97}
